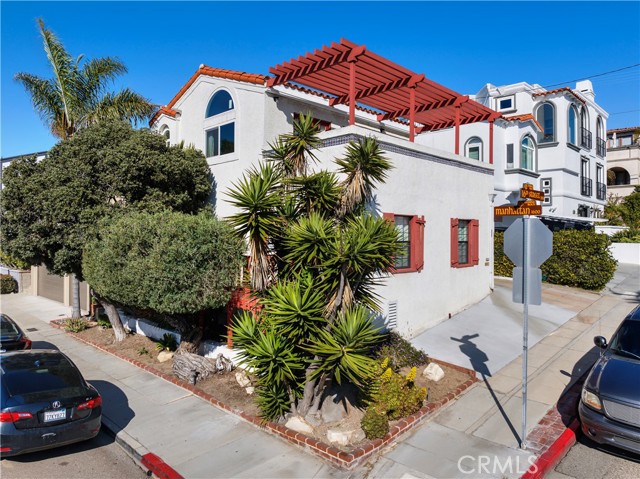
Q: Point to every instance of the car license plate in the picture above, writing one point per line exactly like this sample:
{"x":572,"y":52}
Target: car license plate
{"x":50,"y":416}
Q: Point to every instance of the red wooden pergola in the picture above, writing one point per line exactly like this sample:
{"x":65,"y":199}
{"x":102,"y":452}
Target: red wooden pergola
{"x":350,"y":74}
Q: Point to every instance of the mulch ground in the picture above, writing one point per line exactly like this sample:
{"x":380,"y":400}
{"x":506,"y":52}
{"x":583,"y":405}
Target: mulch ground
{"x":225,"y":389}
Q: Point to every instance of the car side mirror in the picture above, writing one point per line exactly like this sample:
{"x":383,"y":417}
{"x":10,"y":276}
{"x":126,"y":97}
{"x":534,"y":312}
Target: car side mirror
{"x":600,"y":341}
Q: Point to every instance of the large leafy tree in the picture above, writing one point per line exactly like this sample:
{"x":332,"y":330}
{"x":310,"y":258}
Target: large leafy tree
{"x":51,"y":208}
{"x":319,"y":252}
{"x":172,"y":263}
{"x":77,"y":95}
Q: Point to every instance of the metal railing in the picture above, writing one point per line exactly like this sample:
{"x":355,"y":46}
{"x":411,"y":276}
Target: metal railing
{"x":586,"y":186}
{"x":601,"y":147}
{"x":585,"y":138}
{"x":601,"y":191}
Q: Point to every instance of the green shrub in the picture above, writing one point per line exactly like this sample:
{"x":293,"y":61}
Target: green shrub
{"x":103,"y":321}
{"x":8,"y":284}
{"x":632,"y":235}
{"x":502,"y":265}
{"x":11,"y":262}
{"x":401,"y":353}
{"x":167,"y":343}
{"x":580,"y":258}
{"x":75,"y":325}
{"x":375,"y":424}
{"x":394,"y":394}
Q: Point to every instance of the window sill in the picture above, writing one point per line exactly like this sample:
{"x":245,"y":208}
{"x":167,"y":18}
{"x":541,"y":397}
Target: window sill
{"x":547,"y":144}
{"x":521,"y":171}
{"x":221,"y":159}
{"x":404,"y":270}
{"x":573,"y":147}
{"x":466,"y":265}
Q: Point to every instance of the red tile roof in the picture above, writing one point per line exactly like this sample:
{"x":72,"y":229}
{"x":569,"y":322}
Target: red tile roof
{"x":526,"y":117}
{"x":213,"y":72}
{"x":560,"y":90}
{"x":624,"y":130}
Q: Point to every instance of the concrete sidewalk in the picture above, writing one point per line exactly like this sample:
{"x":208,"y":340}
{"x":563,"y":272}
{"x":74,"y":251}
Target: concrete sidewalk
{"x":198,"y":440}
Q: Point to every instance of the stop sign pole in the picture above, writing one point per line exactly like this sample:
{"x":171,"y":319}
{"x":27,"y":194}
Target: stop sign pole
{"x":528,"y":243}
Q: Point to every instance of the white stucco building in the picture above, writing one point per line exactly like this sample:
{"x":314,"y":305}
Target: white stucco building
{"x":553,"y":139}
{"x":440,"y":201}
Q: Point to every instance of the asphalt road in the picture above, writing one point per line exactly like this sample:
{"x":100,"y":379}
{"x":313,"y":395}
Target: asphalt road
{"x":587,"y":460}
{"x":99,"y":458}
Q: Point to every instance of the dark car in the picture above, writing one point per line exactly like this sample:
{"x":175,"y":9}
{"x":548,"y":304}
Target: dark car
{"x":44,"y":402}
{"x":11,"y":336}
{"x":610,"y":403}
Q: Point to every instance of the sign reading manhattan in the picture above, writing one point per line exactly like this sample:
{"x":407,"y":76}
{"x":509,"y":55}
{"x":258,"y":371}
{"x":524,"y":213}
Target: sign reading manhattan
{"x":519,"y":210}
{"x":528,"y":193}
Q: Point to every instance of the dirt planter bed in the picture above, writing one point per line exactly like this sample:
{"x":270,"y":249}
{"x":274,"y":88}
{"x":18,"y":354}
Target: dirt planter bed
{"x":236,"y":401}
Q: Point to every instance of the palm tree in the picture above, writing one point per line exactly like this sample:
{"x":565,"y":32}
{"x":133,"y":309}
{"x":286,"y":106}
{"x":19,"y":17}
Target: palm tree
{"x":77,"y":96}
{"x":364,"y":165}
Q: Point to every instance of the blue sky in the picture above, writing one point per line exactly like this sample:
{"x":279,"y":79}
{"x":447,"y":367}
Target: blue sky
{"x":462,"y":45}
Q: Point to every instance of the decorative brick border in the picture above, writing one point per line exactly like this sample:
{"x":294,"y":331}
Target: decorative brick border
{"x":342,"y":459}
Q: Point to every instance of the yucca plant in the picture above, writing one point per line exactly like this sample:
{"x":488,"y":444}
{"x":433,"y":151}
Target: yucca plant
{"x":315,"y":326}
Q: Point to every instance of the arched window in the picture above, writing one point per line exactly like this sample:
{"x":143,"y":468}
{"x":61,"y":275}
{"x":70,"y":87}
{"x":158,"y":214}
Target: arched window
{"x":601,"y":145}
{"x":167,"y":135}
{"x":585,"y":131}
{"x":618,"y":176}
{"x":220,"y":103}
{"x":220,"y":125}
{"x":473,"y":148}
{"x":573,"y":125}
{"x":527,"y":153}
{"x":546,"y":117}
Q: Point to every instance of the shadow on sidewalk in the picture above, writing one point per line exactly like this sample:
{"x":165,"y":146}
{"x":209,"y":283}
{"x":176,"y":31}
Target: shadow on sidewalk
{"x":115,"y":404}
{"x":478,"y":359}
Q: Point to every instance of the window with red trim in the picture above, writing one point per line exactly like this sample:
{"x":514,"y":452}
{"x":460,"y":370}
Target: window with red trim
{"x":410,"y":256}
{"x":464,"y":243}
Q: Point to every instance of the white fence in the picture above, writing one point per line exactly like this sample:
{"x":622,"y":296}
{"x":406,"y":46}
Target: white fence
{"x":626,"y":252}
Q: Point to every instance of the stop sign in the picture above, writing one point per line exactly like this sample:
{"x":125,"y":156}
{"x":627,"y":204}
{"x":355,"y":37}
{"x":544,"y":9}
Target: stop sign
{"x":539,"y":238}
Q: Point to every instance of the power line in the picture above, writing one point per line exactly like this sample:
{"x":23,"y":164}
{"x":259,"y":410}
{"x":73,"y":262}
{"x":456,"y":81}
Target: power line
{"x":576,"y":80}
{"x":593,"y":76}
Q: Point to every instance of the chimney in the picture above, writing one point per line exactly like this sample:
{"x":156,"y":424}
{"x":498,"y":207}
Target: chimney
{"x":586,"y":89}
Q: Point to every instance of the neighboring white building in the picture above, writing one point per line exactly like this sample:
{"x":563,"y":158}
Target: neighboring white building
{"x":440,"y":201}
{"x":623,"y":158}
{"x":552,"y":139}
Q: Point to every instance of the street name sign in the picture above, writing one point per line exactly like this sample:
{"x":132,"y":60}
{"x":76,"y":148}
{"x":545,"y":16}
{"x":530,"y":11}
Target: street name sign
{"x":523,"y":209}
{"x":527,"y":192}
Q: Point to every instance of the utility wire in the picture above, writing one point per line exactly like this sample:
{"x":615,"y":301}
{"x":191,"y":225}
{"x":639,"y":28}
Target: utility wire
{"x":593,"y":76}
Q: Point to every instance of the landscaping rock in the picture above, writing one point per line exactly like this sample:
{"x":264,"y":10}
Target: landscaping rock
{"x":250,"y":390}
{"x":165,"y":356}
{"x":296,"y":423}
{"x":338,"y":402}
{"x":433,"y":372}
{"x":243,"y":379}
{"x":345,"y":438}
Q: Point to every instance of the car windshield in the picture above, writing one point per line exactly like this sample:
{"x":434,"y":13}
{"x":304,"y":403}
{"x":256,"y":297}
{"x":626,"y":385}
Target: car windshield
{"x":26,"y":374}
{"x":626,"y":341}
{"x":7,"y":328}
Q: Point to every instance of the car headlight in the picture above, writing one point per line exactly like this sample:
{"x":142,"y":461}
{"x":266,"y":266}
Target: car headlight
{"x":591,"y":399}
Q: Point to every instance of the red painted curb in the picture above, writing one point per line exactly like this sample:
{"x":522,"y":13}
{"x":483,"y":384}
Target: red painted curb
{"x":552,"y":456}
{"x":159,"y":468}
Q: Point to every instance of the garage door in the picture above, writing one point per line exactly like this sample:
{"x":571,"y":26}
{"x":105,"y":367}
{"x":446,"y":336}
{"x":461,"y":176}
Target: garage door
{"x":50,"y":285}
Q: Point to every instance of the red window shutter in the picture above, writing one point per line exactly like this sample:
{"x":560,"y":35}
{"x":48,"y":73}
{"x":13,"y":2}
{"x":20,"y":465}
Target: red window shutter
{"x":454,"y":242}
{"x":416,"y":233}
{"x":388,"y":217}
{"x":473,"y":242}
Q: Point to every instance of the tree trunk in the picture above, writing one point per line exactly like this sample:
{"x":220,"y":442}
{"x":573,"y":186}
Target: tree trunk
{"x":75,"y":297}
{"x":114,"y":319}
{"x":192,"y":368}
{"x":190,"y":342}
{"x":309,"y":392}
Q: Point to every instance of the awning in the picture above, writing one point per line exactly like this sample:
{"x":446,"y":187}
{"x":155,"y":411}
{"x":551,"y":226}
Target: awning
{"x":350,"y":74}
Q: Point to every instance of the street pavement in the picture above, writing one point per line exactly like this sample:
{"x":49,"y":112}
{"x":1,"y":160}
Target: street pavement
{"x":475,"y":436}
